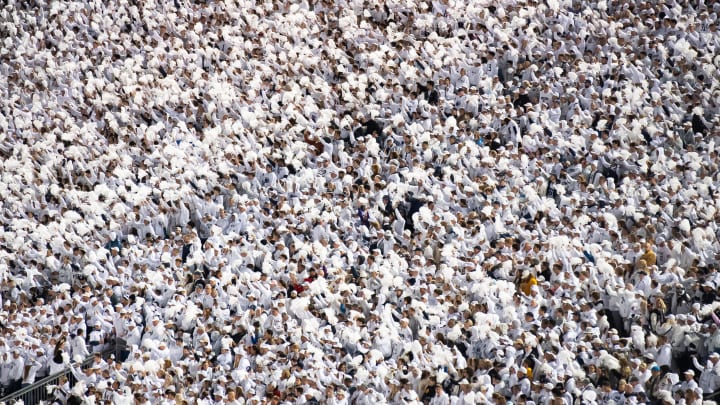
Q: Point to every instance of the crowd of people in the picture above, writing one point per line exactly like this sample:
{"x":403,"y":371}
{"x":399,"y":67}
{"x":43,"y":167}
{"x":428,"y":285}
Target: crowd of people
{"x":361,"y":202}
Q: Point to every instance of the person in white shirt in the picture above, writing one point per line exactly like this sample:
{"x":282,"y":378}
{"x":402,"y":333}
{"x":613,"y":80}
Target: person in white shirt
{"x":709,"y":373}
{"x":17,"y":371}
{"x":32,"y":366}
{"x":5,"y":366}
{"x":96,"y":340}
{"x":689,"y":382}
{"x":643,"y":283}
{"x":466,"y":396}
{"x":133,"y":335}
{"x":59,"y":361}
{"x":664,"y":352}
{"x":88,"y":376}
{"x":441,"y":397}
{"x":176,"y":349}
{"x":490,"y":64}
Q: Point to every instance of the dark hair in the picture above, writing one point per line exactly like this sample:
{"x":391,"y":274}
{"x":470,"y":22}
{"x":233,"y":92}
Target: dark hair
{"x":57,"y":357}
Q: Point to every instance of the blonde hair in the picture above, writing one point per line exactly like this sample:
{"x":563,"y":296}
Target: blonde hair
{"x":660,"y":304}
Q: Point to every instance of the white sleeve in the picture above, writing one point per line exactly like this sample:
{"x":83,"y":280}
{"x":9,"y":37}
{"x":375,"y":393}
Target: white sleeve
{"x":78,"y":374}
{"x":697,"y":364}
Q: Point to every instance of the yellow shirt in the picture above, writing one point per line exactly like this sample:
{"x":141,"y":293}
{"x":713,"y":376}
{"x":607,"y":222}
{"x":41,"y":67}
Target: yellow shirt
{"x":527,"y":286}
{"x":649,"y":257}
